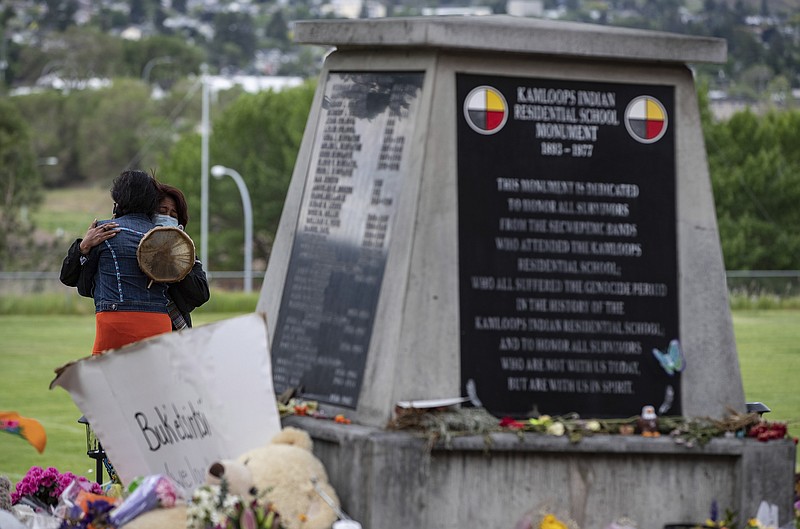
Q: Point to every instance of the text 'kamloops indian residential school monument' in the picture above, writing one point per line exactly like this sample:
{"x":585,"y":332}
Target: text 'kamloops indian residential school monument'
{"x":516,"y":211}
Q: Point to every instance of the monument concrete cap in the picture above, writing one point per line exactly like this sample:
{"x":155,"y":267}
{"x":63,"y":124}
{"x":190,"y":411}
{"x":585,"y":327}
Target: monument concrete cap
{"x":510,"y":34}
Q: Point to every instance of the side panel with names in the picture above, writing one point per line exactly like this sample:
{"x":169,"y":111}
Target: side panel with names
{"x":358,"y":162}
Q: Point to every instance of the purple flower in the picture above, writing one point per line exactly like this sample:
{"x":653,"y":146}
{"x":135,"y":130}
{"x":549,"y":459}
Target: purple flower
{"x":154,"y":491}
{"x":46,"y":486}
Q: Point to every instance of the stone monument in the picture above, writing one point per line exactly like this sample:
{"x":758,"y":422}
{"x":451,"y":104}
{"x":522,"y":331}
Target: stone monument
{"x":516,"y":212}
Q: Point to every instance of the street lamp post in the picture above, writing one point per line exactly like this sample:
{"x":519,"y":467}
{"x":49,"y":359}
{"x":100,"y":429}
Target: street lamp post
{"x":151,"y":63}
{"x":205,"y":131}
{"x":218,"y":171}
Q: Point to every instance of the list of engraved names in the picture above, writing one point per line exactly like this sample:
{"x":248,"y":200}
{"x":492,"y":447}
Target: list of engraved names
{"x":343,"y":232}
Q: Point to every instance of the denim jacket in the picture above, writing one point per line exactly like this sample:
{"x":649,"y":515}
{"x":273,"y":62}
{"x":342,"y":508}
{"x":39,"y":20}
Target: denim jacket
{"x":119,"y":283}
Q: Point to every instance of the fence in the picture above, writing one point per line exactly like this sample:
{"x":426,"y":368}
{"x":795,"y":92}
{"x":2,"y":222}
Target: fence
{"x":17,"y":283}
{"x":781,"y":283}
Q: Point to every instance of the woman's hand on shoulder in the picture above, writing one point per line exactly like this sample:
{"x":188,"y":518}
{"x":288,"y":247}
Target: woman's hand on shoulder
{"x":97,"y":234}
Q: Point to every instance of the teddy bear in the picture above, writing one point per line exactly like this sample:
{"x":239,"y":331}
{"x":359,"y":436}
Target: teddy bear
{"x":285,"y":468}
{"x":289,"y":471}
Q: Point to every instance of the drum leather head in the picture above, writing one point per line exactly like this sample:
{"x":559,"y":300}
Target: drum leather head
{"x":166,"y":254}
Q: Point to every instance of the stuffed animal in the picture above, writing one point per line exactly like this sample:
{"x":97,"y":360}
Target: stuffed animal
{"x":290,"y":472}
{"x":285,"y":468}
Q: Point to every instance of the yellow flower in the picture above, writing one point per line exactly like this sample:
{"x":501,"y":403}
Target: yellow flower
{"x":551,"y":522}
{"x":593,"y":426}
{"x":556,"y":428}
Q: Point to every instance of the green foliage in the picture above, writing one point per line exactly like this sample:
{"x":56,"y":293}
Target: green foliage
{"x":258,"y":136}
{"x":755,"y":172}
{"x":20,"y":181}
{"x":112,"y":134}
{"x":163,"y":59}
{"x":80,"y":53}
{"x":46,"y":115}
{"x":277,"y":29}
{"x":234,"y":39}
{"x":124,"y":128}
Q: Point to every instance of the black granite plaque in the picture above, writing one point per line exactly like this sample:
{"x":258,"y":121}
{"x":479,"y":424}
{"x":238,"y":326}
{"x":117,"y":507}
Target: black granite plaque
{"x":567,"y":246}
{"x":359,"y":157}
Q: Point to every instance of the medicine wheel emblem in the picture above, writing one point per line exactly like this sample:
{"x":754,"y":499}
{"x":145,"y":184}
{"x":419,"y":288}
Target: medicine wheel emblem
{"x":646,"y":119}
{"x":486,"y":110}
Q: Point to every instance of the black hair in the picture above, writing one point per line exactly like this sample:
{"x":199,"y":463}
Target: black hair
{"x":134,"y":192}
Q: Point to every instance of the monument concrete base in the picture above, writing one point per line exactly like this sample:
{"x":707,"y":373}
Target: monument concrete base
{"x":387,"y":479}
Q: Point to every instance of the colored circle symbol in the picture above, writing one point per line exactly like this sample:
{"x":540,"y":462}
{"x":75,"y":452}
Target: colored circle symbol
{"x":486,"y":110}
{"x":646,"y":119}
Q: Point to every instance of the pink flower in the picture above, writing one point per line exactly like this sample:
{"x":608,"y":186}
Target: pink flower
{"x":47,"y":485}
{"x":248,"y":519}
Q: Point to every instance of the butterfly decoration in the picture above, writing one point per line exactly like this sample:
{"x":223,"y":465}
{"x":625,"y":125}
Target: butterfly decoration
{"x":673,"y":360}
{"x":29,"y":429}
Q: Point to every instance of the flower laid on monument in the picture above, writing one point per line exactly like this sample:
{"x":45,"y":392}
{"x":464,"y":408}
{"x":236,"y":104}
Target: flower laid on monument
{"x":308,"y":408}
{"x":508,"y":422}
{"x":728,"y":521}
{"x":442,"y":424}
{"x":768,"y":431}
{"x":545,"y":518}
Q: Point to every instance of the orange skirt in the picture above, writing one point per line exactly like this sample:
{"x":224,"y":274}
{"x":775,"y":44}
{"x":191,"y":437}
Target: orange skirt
{"x":115,"y":329}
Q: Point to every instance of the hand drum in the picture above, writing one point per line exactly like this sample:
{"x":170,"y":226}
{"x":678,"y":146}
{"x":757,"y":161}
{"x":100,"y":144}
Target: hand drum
{"x":166,"y":254}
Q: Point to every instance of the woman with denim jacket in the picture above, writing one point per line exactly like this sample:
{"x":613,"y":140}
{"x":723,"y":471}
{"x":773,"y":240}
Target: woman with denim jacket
{"x":186,"y":295}
{"x":128,"y":307}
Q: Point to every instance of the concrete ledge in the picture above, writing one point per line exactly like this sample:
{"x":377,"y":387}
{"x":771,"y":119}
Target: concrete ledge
{"x":389,"y":479}
{"x":513,"y":35}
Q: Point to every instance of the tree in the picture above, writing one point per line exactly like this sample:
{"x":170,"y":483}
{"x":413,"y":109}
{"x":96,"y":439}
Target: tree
{"x":116,"y":134}
{"x":79,"y":53}
{"x":172,"y":58}
{"x":60,"y":14}
{"x":755,"y":173}
{"x":234,"y":39}
{"x":277,"y":29}
{"x":52,"y":128}
{"x":258,"y":135}
{"x":20,"y":182}
{"x":138,"y":12}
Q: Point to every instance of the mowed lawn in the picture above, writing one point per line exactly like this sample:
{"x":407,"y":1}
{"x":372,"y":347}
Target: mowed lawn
{"x":32,"y":347}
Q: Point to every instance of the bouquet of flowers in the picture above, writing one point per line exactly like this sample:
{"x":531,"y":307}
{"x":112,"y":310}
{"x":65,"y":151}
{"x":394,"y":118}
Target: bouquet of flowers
{"x":214,"y":507}
{"x":153,"y":492}
{"x":41,"y":489}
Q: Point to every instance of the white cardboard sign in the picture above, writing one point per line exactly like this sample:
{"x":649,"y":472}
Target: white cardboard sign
{"x":175,"y":403}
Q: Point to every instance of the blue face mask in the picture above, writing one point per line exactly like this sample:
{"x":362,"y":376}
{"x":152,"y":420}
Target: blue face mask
{"x":166,"y":220}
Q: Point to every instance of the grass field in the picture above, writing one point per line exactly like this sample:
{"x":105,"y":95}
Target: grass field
{"x":32,"y":348}
{"x":34,"y":345}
